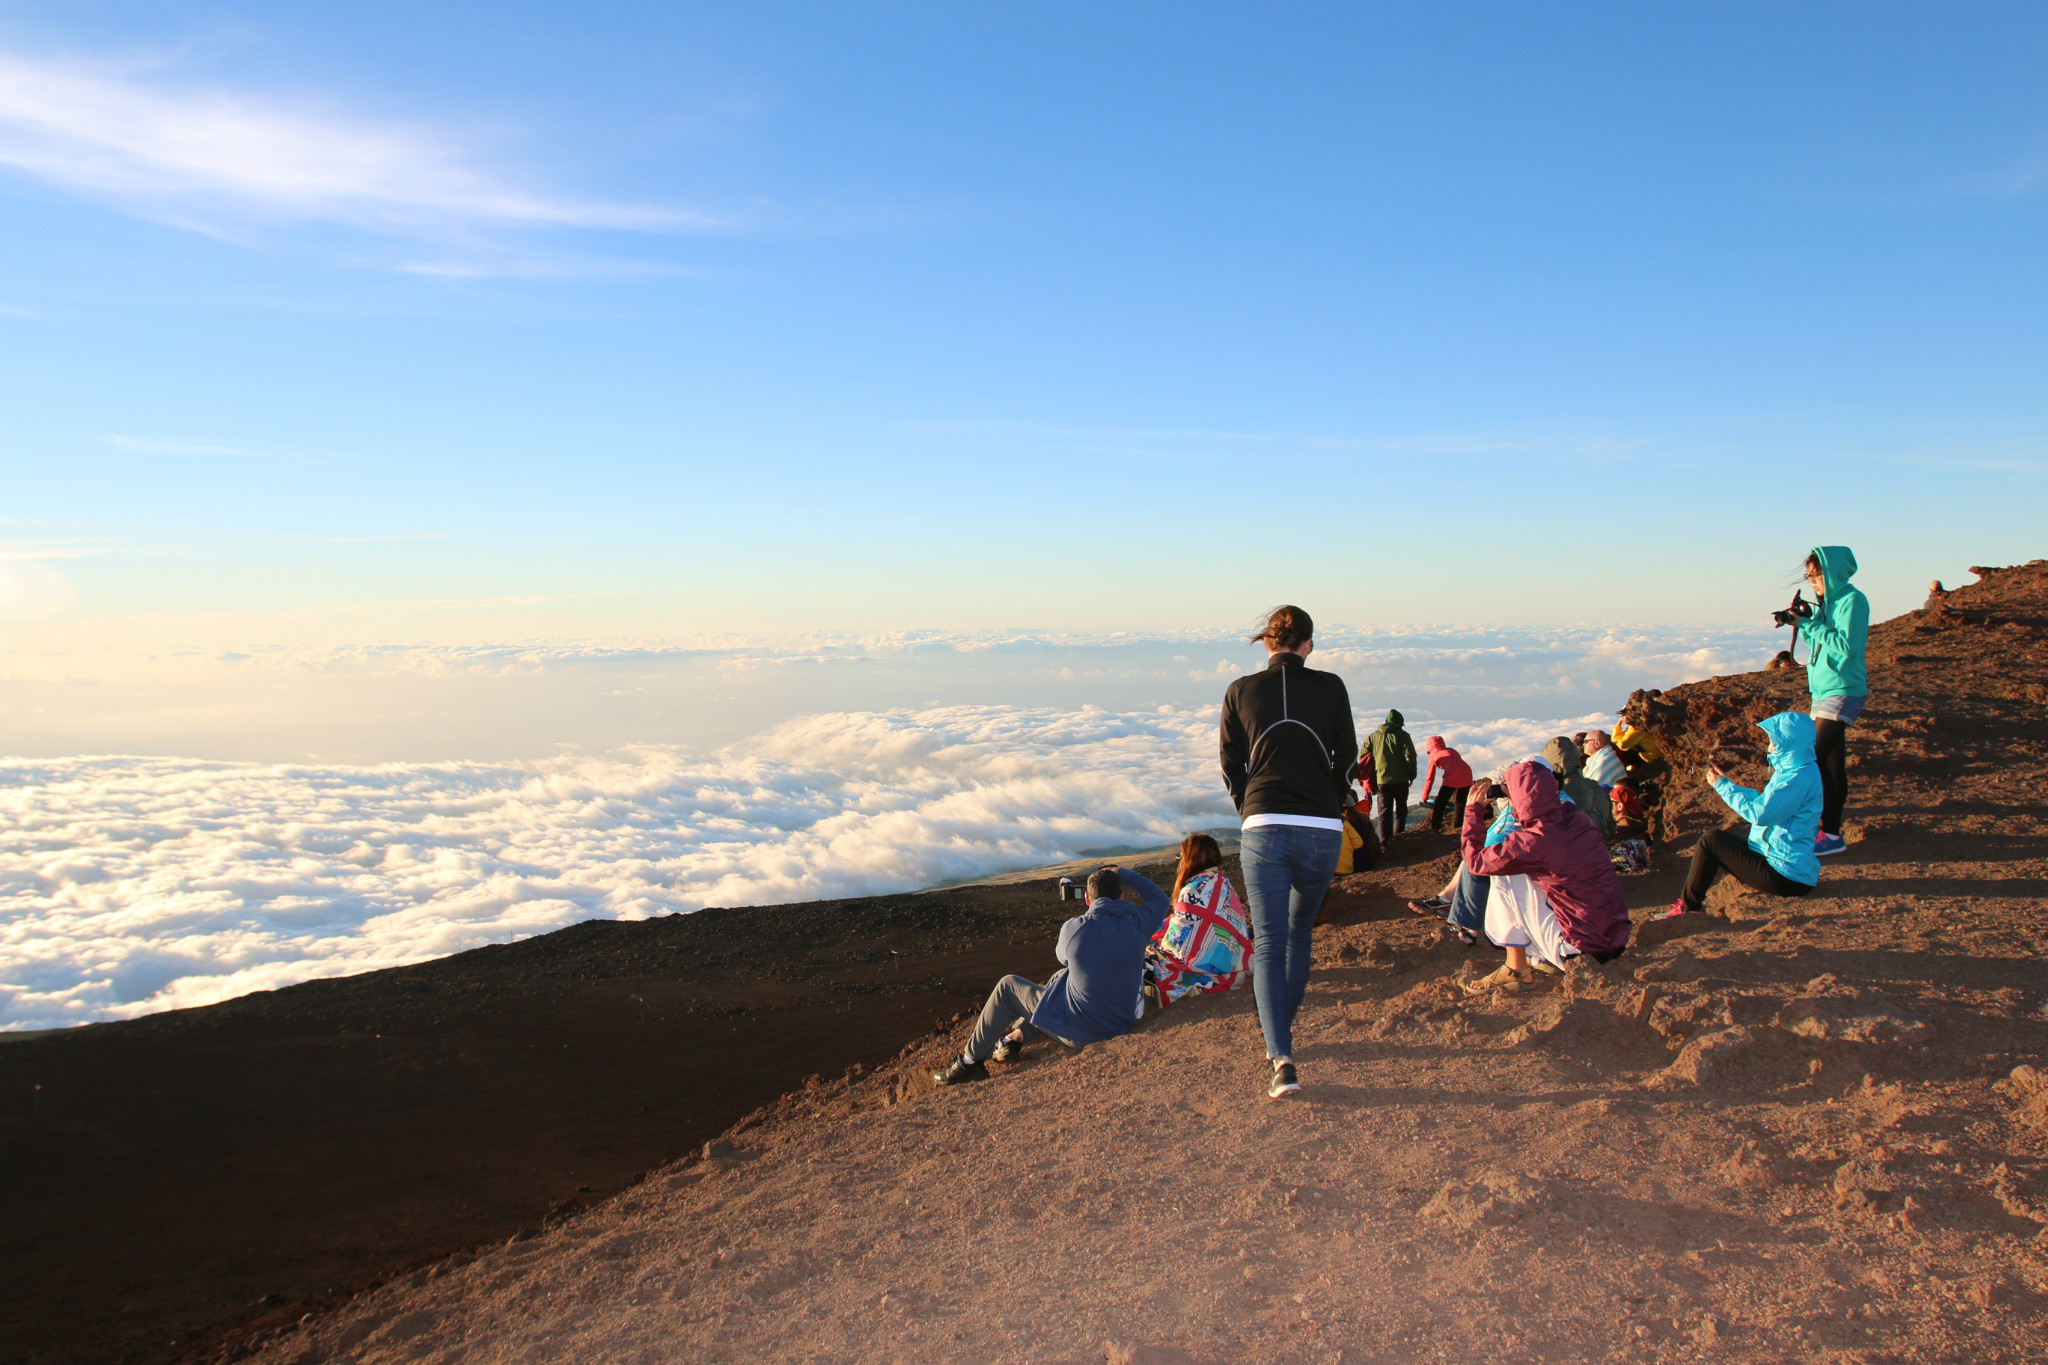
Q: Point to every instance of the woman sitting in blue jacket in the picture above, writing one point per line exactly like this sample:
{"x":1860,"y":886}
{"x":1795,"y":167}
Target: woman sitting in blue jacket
{"x":1777,"y":853}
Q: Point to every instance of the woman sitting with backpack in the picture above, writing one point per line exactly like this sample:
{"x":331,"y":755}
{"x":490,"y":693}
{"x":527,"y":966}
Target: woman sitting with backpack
{"x":1207,"y":937}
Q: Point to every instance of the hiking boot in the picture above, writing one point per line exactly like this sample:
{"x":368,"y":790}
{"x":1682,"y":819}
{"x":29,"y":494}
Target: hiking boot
{"x":1824,"y":844}
{"x":1283,"y":1083}
{"x":961,"y":1072}
{"x":1008,"y":1050}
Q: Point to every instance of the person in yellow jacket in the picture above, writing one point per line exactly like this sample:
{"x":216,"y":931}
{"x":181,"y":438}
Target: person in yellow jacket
{"x":1347,"y":857}
{"x":1638,"y":747}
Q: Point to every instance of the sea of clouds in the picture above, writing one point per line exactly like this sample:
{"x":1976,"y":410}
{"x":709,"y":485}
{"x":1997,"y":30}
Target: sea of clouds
{"x":135,"y":884}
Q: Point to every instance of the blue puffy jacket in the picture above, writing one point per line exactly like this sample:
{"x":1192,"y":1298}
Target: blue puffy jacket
{"x":1785,"y":816}
{"x":1837,"y":630}
{"x":1096,"y":995}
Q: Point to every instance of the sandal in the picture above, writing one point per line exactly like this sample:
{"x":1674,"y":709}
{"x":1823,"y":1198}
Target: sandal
{"x":1434,"y":906}
{"x":1502,"y":979}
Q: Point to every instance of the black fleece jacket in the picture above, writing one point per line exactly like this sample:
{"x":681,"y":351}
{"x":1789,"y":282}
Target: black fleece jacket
{"x":1288,"y":738}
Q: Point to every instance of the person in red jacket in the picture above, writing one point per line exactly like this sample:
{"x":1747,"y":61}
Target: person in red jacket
{"x":1457,"y":781}
{"x":1556,"y":893}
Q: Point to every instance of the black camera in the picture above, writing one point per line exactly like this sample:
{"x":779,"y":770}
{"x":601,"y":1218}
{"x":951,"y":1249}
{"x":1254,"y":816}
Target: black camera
{"x":1799,"y":610}
{"x":1071,"y":890}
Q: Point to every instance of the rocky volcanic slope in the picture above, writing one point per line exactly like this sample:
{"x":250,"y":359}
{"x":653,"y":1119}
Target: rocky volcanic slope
{"x":1782,"y":1131}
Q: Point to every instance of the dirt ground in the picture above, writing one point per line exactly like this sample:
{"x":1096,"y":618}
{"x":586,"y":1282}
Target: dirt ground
{"x":175,"y":1183}
{"x":1801,"y":1130}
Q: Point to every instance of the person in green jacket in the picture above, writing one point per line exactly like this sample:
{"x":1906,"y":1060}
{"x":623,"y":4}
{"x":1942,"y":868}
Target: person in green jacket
{"x":1835,"y":635}
{"x":1393,"y":764}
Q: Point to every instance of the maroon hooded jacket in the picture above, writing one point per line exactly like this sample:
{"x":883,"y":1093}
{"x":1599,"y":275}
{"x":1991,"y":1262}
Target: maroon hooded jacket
{"x":1556,"y":847}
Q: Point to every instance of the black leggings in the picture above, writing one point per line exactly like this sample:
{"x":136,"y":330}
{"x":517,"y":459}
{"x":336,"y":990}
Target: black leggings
{"x":1831,"y":751}
{"x":1729,"y":848}
{"x":1448,"y":796}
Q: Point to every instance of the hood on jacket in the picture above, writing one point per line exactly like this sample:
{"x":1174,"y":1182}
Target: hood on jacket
{"x":1393,"y":720}
{"x":1792,"y":736}
{"x":1532,"y":792}
{"x":1564,"y":757}
{"x":1433,"y":743}
{"x":1837,"y":566}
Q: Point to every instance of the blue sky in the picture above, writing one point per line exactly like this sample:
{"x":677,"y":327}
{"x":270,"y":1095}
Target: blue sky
{"x":347,"y":324}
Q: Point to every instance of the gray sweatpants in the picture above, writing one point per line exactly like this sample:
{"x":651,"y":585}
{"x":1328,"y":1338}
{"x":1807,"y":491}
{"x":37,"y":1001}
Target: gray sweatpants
{"x":1009,"y":1005}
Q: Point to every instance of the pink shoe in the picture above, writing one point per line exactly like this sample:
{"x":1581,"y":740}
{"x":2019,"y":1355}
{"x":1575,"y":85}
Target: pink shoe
{"x":1677,"y":909}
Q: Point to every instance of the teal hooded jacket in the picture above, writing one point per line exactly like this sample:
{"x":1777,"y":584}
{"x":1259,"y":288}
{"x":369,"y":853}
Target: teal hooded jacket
{"x":1785,"y":816}
{"x":1837,"y":630}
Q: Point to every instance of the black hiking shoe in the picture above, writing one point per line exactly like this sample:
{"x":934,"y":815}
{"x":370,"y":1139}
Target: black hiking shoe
{"x":1008,"y":1050}
{"x":1283,"y":1083}
{"x":961,"y":1072}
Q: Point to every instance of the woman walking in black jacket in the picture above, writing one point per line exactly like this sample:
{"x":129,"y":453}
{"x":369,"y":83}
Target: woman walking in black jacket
{"x":1288,"y":737}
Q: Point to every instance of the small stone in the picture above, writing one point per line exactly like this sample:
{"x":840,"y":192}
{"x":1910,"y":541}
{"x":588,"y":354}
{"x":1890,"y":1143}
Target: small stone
{"x":718,"y":1148}
{"x":2025,"y":1079}
{"x":1706,"y":1054}
{"x":1138,"y":1353}
{"x":1683,"y":967}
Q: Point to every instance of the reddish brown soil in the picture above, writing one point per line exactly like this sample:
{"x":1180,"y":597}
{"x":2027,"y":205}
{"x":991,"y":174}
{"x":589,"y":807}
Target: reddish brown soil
{"x":1782,"y":1131}
{"x":185,"y":1179}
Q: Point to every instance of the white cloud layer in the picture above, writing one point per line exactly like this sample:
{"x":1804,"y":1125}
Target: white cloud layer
{"x":213,"y":159}
{"x":130,"y":885}
{"x":243,"y":691}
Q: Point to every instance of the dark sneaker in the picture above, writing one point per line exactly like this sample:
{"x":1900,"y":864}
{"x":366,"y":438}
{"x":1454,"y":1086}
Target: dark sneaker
{"x":1435,"y":905}
{"x":1008,"y":1050}
{"x":961,"y":1072}
{"x":1824,"y":844}
{"x":1283,"y":1083}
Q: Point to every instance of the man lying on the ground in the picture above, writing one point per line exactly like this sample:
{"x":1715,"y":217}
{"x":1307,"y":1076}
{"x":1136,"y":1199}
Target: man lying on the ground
{"x":1098,"y":993}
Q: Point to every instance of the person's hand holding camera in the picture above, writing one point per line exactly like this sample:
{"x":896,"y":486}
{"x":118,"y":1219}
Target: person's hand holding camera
{"x":1713,"y":773}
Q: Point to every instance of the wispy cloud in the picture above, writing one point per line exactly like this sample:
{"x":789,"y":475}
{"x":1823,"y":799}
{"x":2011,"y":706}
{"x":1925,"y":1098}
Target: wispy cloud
{"x":1979,"y":464}
{"x":52,"y":549}
{"x":225,"y":162}
{"x":1217,"y":446}
{"x":150,"y":445}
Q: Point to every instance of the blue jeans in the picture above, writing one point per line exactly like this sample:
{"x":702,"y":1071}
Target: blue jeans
{"x":1287,"y":870}
{"x":1468,"y":902}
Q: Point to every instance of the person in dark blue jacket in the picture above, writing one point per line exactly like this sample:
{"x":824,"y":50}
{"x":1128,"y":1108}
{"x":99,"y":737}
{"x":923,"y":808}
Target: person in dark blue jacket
{"x":1098,"y":992}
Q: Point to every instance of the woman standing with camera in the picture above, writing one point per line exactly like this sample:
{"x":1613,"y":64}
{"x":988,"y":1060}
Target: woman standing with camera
{"x":1288,"y":737}
{"x":1835,"y":633}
